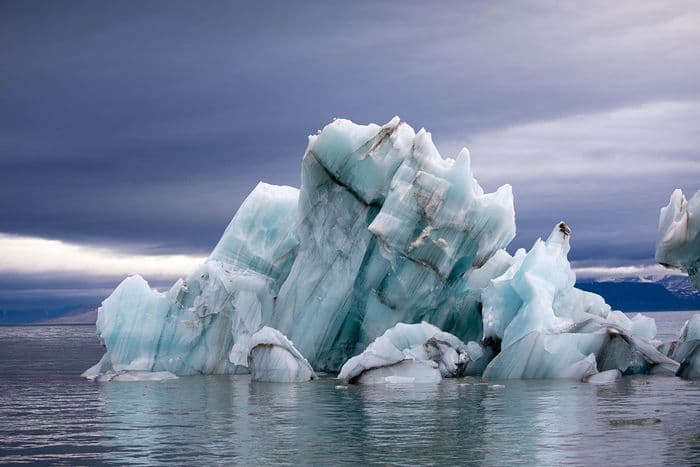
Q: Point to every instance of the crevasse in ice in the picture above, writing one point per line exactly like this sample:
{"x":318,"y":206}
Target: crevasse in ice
{"x":387,"y":230}
{"x":678,"y":242}
{"x":382,"y":231}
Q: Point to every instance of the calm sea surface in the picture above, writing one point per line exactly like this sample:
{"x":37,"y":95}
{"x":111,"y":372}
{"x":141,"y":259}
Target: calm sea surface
{"x":48,"y":414}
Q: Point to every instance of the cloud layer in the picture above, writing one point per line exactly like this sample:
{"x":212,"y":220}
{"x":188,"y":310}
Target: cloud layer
{"x":139,"y":128}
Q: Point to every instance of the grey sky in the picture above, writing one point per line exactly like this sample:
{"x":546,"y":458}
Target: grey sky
{"x":142,"y":125}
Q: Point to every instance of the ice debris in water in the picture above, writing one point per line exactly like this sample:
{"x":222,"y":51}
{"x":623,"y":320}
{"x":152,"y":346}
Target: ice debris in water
{"x":678,"y":243}
{"x":605,"y":377}
{"x":125,"y":375}
{"x":383,"y":231}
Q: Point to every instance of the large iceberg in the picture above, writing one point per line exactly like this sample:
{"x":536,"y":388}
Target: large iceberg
{"x":382,"y":231}
{"x":387,"y":230}
{"x":678,"y":243}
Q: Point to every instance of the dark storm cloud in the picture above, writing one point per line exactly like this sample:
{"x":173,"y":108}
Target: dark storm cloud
{"x":143,"y":125}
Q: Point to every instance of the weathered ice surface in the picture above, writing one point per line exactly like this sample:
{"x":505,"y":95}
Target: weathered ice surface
{"x":410,"y":352}
{"x":382,"y":231}
{"x":202,"y":325}
{"x":274,"y":358}
{"x":387,"y":229}
{"x":687,"y":349}
{"x":543,"y":327}
{"x":678,"y":243}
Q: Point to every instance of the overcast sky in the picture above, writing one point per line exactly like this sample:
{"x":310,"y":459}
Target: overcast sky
{"x":134,"y":129}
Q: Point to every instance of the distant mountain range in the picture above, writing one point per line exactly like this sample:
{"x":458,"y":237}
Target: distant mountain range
{"x":672,"y":292}
{"x":48,"y":315}
{"x":81,"y":315}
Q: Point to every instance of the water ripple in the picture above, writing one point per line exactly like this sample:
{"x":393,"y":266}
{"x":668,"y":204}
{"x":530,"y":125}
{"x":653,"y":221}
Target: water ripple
{"x":48,"y":414}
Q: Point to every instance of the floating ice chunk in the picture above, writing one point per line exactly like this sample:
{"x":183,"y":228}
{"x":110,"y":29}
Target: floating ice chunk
{"x":678,"y":241}
{"x":691,"y":329}
{"x":274,"y":358}
{"x":138,"y":376}
{"x":643,"y":326}
{"x":687,"y":349}
{"x":690,"y":360}
{"x":418,"y":351}
{"x":203,"y":323}
{"x":605,"y":377}
{"x":104,"y":371}
{"x":632,"y":354}
{"x":100,"y":368}
{"x":544,"y":327}
{"x":619,"y":319}
{"x":537,"y":355}
{"x":130,"y":323}
{"x":403,"y":372}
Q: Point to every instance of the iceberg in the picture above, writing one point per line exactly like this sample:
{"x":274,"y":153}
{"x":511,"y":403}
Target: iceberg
{"x":410,"y":353}
{"x":387,"y":230}
{"x":102,"y":373}
{"x":203,"y":324}
{"x":273,"y":358}
{"x":686,"y":349}
{"x":389,"y":254}
{"x":541,"y":326}
{"x":383,"y":230}
{"x":678,"y":241}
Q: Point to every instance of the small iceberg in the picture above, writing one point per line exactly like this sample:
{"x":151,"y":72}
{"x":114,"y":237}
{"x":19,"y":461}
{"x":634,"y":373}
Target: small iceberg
{"x":273,"y":358}
{"x":678,"y":241}
{"x":605,"y":377}
{"x":687,"y":349}
{"x":419,"y":353}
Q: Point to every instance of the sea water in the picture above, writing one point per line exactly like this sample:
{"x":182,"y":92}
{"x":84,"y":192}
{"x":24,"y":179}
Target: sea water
{"x":48,"y":414}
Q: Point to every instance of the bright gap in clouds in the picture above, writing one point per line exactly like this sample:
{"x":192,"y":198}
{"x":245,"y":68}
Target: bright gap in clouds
{"x":39,"y":256}
{"x":32,"y":256}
